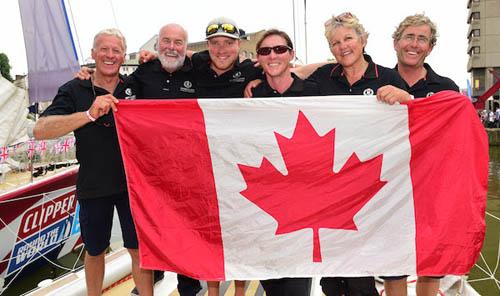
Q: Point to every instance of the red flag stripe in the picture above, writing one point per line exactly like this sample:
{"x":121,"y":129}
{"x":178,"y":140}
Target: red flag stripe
{"x":443,"y":189}
{"x":185,"y":185}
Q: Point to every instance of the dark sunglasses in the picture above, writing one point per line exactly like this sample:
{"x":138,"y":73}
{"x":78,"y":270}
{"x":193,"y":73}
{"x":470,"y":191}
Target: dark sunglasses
{"x":227,"y":28}
{"x":278,"y":49}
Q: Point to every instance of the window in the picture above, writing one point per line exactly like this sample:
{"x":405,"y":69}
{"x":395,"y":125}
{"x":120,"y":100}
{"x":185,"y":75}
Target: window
{"x":474,"y":50}
{"x":475,"y":16}
{"x":470,"y":2}
{"x":476,"y":33}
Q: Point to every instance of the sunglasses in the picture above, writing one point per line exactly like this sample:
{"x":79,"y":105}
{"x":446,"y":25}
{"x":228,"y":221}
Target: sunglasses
{"x":278,"y":49}
{"x":227,"y":28}
{"x":106,"y":120}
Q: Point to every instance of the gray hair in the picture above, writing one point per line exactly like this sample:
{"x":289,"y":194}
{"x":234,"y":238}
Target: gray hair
{"x":111,"y":32}
{"x":175,"y":26}
{"x":416,"y":20}
{"x":347,"y":20}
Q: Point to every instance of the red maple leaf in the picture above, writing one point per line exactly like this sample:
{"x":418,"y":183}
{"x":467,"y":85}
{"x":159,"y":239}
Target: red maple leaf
{"x":312,"y":195}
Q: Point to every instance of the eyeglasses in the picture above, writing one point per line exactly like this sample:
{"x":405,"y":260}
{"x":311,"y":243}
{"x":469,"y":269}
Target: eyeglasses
{"x":227,"y":28}
{"x":278,"y":49}
{"x":421,"y":40}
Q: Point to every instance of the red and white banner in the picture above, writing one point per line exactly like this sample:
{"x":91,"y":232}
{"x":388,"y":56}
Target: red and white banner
{"x":269,"y":188}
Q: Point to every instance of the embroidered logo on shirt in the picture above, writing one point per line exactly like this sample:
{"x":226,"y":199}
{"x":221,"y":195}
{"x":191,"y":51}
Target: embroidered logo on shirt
{"x":129,"y":95}
{"x":237,"y":77}
{"x":187,"y":87}
{"x":368,"y":92}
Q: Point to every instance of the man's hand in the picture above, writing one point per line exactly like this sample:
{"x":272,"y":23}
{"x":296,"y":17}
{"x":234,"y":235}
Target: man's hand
{"x":102,"y":105}
{"x":84,"y":74}
{"x":391,"y":95}
{"x":248,"y":89}
{"x":146,"y":56}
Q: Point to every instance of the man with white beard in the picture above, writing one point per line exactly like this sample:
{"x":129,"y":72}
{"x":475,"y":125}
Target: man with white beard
{"x":170,"y":76}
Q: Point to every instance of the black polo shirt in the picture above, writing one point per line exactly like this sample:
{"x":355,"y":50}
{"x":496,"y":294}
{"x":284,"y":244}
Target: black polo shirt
{"x":430,"y":84}
{"x":101,"y":170}
{"x":231,"y":84}
{"x":331,"y":79}
{"x":151,"y":81}
{"x":298,"y":88}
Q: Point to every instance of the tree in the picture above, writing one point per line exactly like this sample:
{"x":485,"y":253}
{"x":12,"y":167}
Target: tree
{"x":5,"y":67}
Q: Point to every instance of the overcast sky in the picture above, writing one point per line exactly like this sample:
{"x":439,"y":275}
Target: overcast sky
{"x":140,"y":20}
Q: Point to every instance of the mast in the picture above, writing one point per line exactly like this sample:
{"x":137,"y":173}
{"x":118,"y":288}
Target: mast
{"x":305,"y":30}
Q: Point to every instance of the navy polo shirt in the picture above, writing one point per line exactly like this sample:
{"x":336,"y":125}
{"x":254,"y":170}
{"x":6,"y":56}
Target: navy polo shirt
{"x":231,"y":84}
{"x":298,"y":88}
{"x":101,"y":170}
{"x":430,"y":84}
{"x":331,"y":79}
{"x":151,"y":81}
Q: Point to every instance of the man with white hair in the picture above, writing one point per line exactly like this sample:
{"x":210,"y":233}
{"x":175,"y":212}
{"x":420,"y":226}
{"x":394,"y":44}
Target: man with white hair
{"x":84,"y":107}
{"x":170,"y":76}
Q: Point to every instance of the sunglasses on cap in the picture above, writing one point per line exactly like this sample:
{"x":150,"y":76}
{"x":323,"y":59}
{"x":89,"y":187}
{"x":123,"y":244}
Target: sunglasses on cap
{"x":278,"y":49}
{"x":227,"y":28}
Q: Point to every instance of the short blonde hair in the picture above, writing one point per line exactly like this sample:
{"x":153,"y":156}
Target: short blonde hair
{"x":347,"y":20}
{"x":416,"y":20}
{"x":111,"y":32}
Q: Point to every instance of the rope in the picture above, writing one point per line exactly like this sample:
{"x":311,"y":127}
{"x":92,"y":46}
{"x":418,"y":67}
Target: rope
{"x":35,"y":195}
{"x":36,"y":251}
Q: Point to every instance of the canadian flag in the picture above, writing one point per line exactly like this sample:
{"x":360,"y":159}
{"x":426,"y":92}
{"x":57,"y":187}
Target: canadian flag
{"x":317,"y":186}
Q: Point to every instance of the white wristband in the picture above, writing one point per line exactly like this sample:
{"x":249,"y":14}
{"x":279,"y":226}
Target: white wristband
{"x":90,"y":116}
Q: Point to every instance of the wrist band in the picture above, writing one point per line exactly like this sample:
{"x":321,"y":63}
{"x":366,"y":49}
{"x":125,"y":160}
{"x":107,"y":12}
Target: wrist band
{"x":90,"y":116}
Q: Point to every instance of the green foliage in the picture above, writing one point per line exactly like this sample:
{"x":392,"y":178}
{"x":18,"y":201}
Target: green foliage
{"x":5,"y":67}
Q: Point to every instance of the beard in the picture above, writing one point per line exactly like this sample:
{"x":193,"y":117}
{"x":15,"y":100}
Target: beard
{"x":169,"y":64}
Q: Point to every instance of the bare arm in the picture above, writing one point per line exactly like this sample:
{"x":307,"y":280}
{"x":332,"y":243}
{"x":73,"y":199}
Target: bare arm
{"x":305,"y":71}
{"x":248,"y":89}
{"x":55,"y":126}
{"x":59,"y":125}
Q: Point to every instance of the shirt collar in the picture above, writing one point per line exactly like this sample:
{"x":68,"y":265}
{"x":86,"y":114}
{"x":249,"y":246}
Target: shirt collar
{"x":430,"y":75}
{"x":370,"y":73}
{"x":88,"y":83}
{"x":297,"y":85}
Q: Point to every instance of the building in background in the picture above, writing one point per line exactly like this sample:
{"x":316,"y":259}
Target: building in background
{"x":484,"y":46}
{"x":247,"y":47}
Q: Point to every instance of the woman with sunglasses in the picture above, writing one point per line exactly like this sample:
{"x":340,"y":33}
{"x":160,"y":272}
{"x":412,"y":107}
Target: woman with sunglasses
{"x":354,"y":73}
{"x":274,"y":54}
